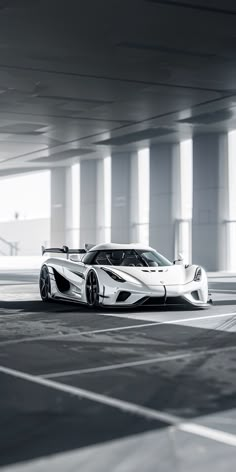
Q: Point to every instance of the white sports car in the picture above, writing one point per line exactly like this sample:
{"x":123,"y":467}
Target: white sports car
{"x":121,"y":275}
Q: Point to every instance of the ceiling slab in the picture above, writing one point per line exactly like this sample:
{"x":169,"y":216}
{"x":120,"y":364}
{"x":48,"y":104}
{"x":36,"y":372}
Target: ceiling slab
{"x":145,"y":75}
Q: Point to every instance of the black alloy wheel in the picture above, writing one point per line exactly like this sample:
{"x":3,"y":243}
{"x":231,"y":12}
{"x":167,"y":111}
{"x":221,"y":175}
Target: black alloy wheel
{"x":44,"y":284}
{"x":92,"y":289}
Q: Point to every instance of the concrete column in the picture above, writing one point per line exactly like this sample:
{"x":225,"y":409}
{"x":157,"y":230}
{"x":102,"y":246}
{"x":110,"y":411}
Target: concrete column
{"x":88,"y":201}
{"x":230,"y":199}
{"x":120,"y":198}
{"x":104,"y":200}
{"x":134,"y":198}
{"x":62,"y":196}
{"x":210,"y":162}
{"x":58,"y":207}
{"x":69,"y":208}
{"x":80,"y":206}
{"x":161,"y":219}
{"x":100,"y":211}
{"x":182,"y":206}
{"x":140,"y":179}
{"x":73,"y":206}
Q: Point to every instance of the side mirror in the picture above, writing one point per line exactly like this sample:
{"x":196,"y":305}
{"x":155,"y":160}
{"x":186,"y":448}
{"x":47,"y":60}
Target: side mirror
{"x":180,"y":260}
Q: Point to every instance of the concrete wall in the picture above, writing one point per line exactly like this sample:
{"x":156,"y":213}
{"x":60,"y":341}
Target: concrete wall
{"x":29,"y":234}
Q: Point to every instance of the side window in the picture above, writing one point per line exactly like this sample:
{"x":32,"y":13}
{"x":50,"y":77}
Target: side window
{"x":101,"y":258}
{"x":89,"y":257}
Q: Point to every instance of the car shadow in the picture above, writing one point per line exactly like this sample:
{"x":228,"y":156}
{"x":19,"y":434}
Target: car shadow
{"x":36,"y":306}
{"x":58,"y":306}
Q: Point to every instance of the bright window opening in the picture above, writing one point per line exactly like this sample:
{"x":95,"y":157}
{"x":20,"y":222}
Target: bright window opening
{"x":25,"y":197}
{"x":25,"y":213}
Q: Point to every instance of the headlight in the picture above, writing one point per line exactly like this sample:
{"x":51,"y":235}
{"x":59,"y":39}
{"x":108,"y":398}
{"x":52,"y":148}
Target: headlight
{"x":198,"y":274}
{"x":114,"y":276}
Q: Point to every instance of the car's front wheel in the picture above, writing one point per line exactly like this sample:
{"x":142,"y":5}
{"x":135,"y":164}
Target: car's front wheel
{"x":92,"y":289}
{"x":44,"y":284}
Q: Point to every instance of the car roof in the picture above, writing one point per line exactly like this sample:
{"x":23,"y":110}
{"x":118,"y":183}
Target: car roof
{"x":114,"y":246}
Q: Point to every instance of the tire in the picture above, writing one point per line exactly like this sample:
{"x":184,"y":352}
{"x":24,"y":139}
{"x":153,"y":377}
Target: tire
{"x":45,"y":284}
{"x":92,"y":289}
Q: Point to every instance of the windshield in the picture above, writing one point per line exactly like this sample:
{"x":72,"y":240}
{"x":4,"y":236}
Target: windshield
{"x":126,"y":257}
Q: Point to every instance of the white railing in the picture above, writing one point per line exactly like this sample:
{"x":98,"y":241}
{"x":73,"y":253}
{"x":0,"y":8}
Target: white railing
{"x":8,"y":248}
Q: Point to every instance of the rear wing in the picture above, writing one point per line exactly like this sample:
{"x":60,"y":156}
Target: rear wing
{"x":63,"y":250}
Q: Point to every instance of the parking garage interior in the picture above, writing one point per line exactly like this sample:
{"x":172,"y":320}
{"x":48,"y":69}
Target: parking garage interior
{"x":124,"y":112}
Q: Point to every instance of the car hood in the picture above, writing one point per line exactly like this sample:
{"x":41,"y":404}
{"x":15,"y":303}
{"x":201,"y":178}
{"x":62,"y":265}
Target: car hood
{"x":169,"y":275}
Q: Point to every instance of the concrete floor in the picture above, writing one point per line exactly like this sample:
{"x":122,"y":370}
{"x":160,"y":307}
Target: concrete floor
{"x":151,"y":390}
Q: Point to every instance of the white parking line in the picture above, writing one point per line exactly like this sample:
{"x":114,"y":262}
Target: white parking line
{"x":132,"y":408}
{"x":6,"y":283}
{"x":108,"y":330}
{"x":222,"y":290}
{"x":155,"y":360}
{"x":209,"y":433}
{"x":96,"y":397}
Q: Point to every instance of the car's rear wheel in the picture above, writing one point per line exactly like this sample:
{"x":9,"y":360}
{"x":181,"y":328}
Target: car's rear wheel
{"x":92,"y":289}
{"x":44,"y":284}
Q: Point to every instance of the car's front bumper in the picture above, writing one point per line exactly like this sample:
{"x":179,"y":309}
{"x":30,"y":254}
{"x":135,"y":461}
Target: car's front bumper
{"x":189,"y":294}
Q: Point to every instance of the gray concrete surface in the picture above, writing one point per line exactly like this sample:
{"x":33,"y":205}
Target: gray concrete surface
{"x":116,"y":391}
